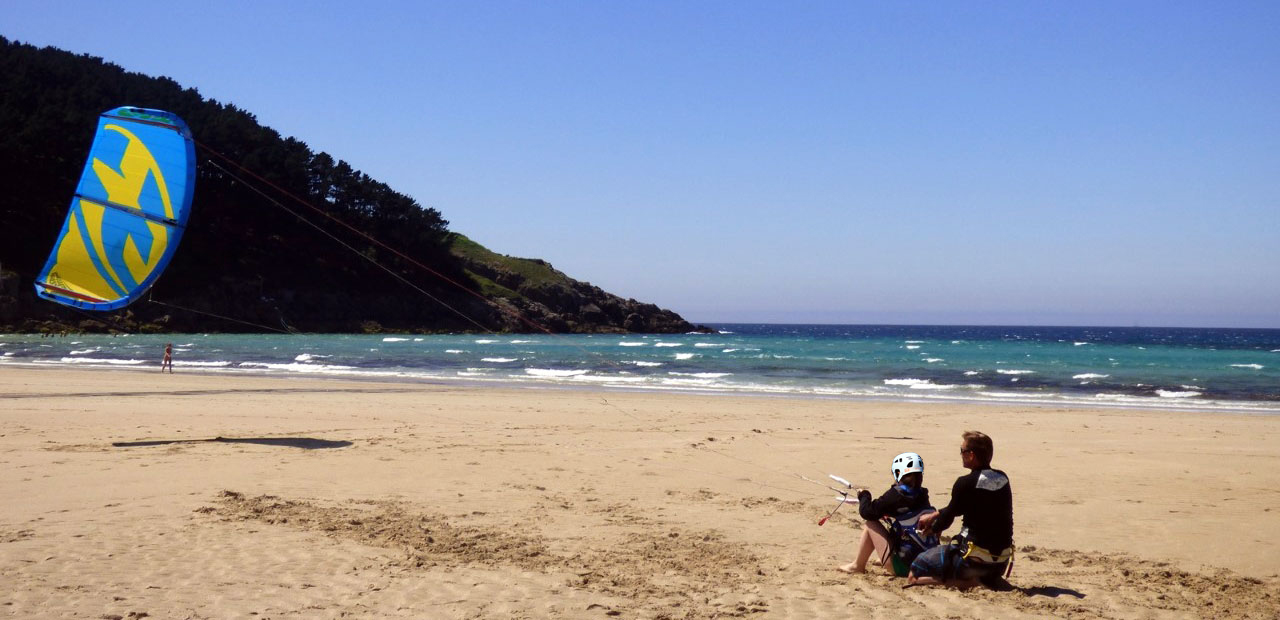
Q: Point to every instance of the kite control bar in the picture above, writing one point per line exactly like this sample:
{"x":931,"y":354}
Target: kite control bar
{"x":843,"y":498}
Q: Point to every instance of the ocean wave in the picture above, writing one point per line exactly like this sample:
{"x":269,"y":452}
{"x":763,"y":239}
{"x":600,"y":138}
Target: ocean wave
{"x":608,"y":379}
{"x":1016,"y":372}
{"x":498,"y":360}
{"x":729,"y":350}
{"x":1081,"y":344}
{"x":685,"y":356}
{"x":970,"y":373}
{"x":1192,"y":387}
{"x":486,"y":341}
{"x":297,"y":367}
{"x":633,"y":344}
{"x":454,"y":351}
{"x":1253,"y":366}
{"x":1089,"y":375}
{"x":914,"y":342}
{"x":306,"y":357}
{"x":100,"y":360}
{"x":906,"y":382}
{"x":703,"y":345}
{"x":524,"y":342}
{"x":919,"y":384}
{"x":645,"y":364}
{"x":912,"y":347}
{"x":932,"y":360}
{"x":701,"y":375}
{"x":394,"y":339}
{"x":1173,"y":394}
{"x":85,"y":351}
{"x":552,"y":372}
{"x":668,"y":344}
{"x":202,"y":364}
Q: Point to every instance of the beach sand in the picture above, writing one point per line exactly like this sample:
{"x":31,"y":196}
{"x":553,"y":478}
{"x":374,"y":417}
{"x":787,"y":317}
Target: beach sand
{"x":332,"y":498}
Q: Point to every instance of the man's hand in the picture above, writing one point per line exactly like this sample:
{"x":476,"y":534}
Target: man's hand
{"x":925,"y":524}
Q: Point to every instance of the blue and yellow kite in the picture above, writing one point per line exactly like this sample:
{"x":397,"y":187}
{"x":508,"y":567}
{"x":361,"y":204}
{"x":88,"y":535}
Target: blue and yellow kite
{"x":128,"y":212}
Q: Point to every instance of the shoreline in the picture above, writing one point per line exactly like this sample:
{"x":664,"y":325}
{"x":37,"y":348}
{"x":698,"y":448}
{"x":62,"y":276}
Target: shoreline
{"x":1136,"y":403}
{"x":406,"y":499}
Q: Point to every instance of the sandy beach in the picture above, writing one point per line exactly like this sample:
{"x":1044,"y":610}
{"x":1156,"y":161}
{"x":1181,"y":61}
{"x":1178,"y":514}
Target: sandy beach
{"x":332,"y":498}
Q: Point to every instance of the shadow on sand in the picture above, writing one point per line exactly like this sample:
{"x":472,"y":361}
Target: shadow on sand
{"x":306,"y":443}
{"x":1050,"y":591}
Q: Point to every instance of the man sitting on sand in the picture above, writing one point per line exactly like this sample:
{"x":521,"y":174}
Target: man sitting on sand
{"x":984,"y":547}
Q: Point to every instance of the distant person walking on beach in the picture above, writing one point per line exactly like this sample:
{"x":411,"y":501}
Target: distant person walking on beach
{"x":982,"y":551}
{"x":899,"y":543}
{"x":167,"y":362}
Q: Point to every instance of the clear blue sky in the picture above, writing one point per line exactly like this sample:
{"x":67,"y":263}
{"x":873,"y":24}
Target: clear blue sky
{"x":1077,"y":162}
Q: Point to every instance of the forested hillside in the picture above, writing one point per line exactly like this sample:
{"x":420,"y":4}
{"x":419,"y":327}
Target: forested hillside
{"x":245,"y":263}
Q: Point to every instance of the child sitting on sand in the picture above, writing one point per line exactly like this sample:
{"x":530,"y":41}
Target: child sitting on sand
{"x":900,"y":507}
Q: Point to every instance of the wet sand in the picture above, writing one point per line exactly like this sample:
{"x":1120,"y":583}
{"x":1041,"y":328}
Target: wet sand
{"x":207,"y":496}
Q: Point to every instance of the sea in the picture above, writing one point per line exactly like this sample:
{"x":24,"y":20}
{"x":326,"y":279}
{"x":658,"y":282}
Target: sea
{"x":1164,"y":368}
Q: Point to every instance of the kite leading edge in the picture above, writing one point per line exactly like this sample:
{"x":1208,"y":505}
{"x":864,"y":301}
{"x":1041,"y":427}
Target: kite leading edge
{"x":128,"y":212}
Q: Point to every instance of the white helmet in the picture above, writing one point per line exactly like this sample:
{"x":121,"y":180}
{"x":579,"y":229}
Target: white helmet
{"x":906,"y":463}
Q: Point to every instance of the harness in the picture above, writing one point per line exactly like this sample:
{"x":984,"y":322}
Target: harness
{"x":973,"y":553}
{"x":907,"y":540}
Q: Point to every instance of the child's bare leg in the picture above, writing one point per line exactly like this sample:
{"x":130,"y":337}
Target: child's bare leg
{"x":874,"y":538}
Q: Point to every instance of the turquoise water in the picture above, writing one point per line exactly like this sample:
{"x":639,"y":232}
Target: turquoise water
{"x":1167,"y":368}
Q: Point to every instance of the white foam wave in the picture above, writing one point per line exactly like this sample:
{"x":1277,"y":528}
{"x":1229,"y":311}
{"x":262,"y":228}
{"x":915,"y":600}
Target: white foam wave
{"x":454,"y":351}
{"x":202,"y":364}
{"x":633,"y":344}
{"x":933,"y":360}
{"x":523,"y":342}
{"x":669,"y":344}
{"x":306,"y":357}
{"x":552,"y":372}
{"x":85,"y":351}
{"x":919,"y":384}
{"x":1016,"y":372}
{"x":1192,"y":387}
{"x":98,"y":360}
{"x":485,"y":341}
{"x":685,"y":356}
{"x":912,"y":347}
{"x":1253,"y":366}
{"x":297,"y":367}
{"x":645,"y":364}
{"x":1089,"y":375}
{"x":1173,"y":394}
{"x":729,"y":350}
{"x":970,"y":373}
{"x":498,"y":360}
{"x":703,"y":345}
{"x":394,"y":339}
{"x":906,"y":382}
{"x":1081,"y":344}
{"x":701,"y":375}
{"x":914,"y":342}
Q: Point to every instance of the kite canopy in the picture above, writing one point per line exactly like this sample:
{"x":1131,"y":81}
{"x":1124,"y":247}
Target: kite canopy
{"x":128,"y":212}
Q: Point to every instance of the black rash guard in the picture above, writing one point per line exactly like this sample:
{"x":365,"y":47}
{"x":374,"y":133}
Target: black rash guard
{"x":985,"y":501}
{"x":893,"y":503}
